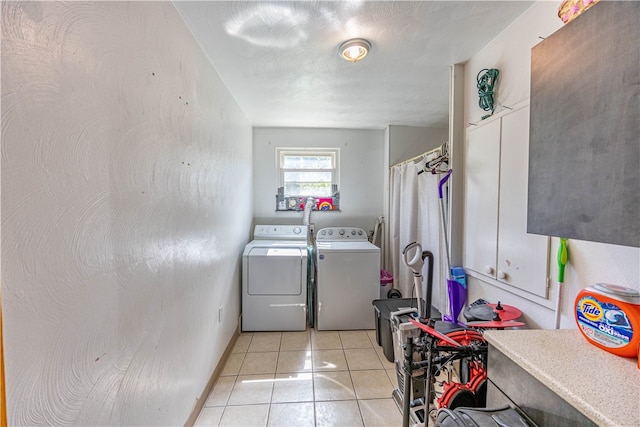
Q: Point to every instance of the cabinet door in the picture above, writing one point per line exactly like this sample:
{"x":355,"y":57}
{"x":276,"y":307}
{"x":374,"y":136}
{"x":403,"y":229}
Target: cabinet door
{"x":481,"y":198}
{"x":522,"y":258}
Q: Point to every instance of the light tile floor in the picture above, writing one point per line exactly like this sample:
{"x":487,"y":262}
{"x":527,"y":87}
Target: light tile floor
{"x":311,"y":378}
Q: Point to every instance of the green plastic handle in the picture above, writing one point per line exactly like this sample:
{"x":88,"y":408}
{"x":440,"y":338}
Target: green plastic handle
{"x":562,"y":259}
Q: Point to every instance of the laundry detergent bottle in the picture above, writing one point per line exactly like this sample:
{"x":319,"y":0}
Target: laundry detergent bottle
{"x":609,"y":317}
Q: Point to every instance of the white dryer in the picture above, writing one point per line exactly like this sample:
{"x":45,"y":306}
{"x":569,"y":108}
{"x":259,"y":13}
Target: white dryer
{"x":274,"y":279}
{"x":347,"y":279}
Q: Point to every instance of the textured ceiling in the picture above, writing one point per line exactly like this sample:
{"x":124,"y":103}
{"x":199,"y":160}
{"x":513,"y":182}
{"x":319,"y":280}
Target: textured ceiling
{"x":280,"y":59}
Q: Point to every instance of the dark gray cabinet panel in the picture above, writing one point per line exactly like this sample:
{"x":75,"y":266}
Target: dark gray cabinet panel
{"x":584,"y":149}
{"x":510,"y":384}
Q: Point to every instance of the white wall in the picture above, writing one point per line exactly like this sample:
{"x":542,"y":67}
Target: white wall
{"x":589,"y":262}
{"x":124,"y":160}
{"x":385,"y":256}
{"x":406,"y":142}
{"x":361,"y":175}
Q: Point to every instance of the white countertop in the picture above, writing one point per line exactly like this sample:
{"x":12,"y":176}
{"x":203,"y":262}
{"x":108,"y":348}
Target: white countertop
{"x":601,"y":385}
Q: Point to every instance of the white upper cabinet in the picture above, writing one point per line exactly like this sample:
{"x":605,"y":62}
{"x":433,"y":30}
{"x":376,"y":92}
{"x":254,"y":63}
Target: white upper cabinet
{"x":497,"y":246}
{"x":481,"y":202}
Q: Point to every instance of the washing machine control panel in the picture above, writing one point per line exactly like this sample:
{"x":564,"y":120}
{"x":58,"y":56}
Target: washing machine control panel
{"x":342,"y":233}
{"x":280,"y":232}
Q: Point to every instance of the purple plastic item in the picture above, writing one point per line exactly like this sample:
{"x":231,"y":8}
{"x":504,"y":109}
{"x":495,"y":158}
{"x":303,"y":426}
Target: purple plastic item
{"x":457,"y":297}
{"x":443,"y":180}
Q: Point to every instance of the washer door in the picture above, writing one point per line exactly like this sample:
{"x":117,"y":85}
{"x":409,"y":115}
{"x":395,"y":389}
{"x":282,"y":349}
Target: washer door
{"x":275,"y":271}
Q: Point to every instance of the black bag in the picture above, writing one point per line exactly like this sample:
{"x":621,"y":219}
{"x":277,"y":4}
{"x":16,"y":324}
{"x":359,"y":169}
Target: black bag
{"x":481,"y":417}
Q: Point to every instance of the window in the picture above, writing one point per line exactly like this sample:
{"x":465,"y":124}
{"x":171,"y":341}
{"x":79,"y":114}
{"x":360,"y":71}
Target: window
{"x":306,"y":173}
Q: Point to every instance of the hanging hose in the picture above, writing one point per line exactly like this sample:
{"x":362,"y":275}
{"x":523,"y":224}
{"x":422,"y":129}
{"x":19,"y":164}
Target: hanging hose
{"x":486,"y":79}
{"x":308,"y":207}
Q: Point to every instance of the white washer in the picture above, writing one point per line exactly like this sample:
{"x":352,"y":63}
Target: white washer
{"x":347,"y":280}
{"x":274,"y":279}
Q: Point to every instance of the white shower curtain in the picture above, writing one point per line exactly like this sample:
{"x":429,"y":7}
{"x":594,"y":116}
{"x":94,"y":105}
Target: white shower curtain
{"x":415,"y":217}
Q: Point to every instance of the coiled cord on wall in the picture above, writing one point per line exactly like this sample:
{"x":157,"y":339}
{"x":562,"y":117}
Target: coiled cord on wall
{"x":486,"y":79}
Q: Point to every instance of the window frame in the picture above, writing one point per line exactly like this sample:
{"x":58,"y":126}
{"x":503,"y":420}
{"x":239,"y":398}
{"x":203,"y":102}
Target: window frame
{"x":334,"y":153}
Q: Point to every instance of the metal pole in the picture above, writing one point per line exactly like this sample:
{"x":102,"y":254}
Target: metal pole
{"x":406,"y":398}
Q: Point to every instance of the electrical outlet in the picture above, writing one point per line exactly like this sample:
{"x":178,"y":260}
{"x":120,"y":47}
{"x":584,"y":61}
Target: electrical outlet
{"x":220,"y":314}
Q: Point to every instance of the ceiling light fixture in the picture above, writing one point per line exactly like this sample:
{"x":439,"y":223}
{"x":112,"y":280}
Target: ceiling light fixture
{"x":355,"y":49}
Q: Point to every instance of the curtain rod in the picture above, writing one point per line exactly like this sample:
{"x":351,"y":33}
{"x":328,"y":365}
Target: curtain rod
{"x":421,"y":156}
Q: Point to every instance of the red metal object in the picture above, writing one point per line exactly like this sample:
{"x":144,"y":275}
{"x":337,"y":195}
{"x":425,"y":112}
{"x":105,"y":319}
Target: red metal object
{"x":465,"y":336}
{"x":428,"y":329}
{"x":477,"y":375}
{"x":455,"y":395}
{"x":506,"y":312}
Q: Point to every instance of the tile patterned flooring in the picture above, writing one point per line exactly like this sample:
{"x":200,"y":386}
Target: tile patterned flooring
{"x":310,"y":378}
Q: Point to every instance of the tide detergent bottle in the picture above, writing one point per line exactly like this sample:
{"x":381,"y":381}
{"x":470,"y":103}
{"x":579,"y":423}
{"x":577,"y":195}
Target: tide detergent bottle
{"x":609,"y":317}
